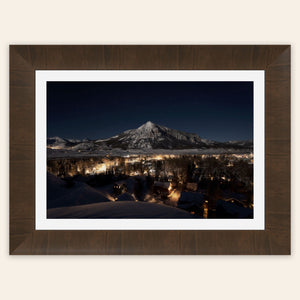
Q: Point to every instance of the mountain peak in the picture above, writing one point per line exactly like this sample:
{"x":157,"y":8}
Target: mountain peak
{"x":147,"y":125}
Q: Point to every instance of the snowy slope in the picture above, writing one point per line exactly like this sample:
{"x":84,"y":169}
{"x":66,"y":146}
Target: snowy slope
{"x":152,"y":136}
{"x":117,"y":210}
{"x":59,"y":194}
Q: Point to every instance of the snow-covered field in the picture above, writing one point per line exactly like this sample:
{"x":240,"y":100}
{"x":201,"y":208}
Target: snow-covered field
{"x":122,"y":209}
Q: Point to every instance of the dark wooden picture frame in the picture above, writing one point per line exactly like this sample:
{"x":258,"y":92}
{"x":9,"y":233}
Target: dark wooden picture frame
{"x":26,"y":59}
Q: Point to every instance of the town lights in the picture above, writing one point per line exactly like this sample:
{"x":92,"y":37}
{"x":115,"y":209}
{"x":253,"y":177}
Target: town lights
{"x":101,"y":168}
{"x":158,"y":157}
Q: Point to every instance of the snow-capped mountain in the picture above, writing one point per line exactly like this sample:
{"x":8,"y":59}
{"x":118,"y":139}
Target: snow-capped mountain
{"x":152,"y":136}
{"x":148,"y":136}
{"x":58,"y":143}
{"x":62,"y":143}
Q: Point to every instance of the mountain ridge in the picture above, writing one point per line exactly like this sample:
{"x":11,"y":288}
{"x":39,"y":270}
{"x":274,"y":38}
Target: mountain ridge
{"x":147,"y":136}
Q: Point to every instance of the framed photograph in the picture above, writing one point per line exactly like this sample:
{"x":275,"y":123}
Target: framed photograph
{"x":149,"y":149}
{"x":119,"y":170}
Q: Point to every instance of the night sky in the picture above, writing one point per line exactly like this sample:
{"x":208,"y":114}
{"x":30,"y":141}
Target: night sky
{"x":220,"y":111}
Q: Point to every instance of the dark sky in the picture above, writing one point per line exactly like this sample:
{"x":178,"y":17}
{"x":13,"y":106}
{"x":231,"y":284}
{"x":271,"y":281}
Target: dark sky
{"x":219,"y":111}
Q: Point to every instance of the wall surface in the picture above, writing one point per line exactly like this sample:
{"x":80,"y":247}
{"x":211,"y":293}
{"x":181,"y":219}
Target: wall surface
{"x":151,"y":22}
